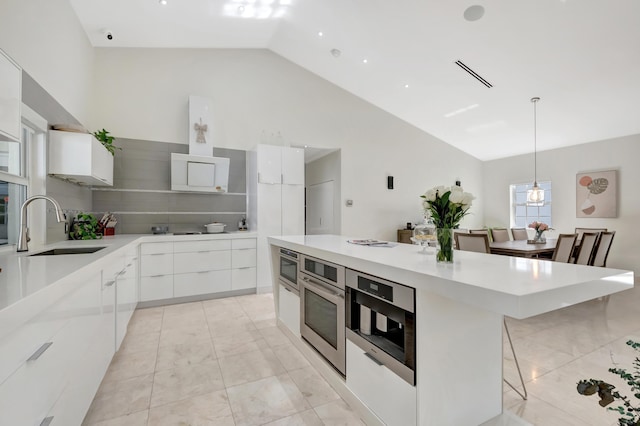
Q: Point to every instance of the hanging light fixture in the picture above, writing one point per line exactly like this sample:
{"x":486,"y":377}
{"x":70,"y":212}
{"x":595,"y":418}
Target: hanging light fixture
{"x":535,"y":196}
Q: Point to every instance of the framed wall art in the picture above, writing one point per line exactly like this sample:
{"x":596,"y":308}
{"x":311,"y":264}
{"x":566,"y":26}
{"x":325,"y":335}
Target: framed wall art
{"x":596,"y":194}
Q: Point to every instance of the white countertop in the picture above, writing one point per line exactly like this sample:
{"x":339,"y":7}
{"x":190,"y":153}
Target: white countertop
{"x":24,"y":275}
{"x":513,"y":286}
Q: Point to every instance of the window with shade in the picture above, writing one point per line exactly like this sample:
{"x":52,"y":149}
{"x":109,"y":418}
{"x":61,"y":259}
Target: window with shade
{"x":521,"y":213}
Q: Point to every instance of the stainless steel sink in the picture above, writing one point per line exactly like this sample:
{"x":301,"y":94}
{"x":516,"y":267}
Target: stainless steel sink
{"x":68,"y":250}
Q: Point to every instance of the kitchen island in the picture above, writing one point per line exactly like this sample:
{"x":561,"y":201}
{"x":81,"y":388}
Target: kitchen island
{"x":459,"y":312}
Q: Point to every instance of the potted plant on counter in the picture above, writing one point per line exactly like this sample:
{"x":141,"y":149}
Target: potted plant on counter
{"x":84,"y":227}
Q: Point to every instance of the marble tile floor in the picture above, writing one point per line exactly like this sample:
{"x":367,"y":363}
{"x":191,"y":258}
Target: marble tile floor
{"x":224,"y":362}
{"x":217,"y":362}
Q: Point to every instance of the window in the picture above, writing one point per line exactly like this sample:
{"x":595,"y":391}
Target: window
{"x":521,"y":214}
{"x":13,"y":185}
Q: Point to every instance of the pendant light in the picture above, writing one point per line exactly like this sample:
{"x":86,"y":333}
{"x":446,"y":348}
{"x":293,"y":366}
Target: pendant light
{"x":535,"y":196}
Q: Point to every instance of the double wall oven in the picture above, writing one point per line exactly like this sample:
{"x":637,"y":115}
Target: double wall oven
{"x":337,"y":303}
{"x":322,"y":314}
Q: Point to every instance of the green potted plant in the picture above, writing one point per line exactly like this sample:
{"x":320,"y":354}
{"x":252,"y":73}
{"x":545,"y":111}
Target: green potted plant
{"x":106,"y":140}
{"x":629,"y":413}
{"x":84,"y":227}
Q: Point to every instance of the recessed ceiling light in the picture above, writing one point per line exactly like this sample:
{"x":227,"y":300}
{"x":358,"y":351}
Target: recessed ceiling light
{"x":406,"y":86}
{"x":365,"y":61}
{"x":336,"y":53}
{"x":240,"y":9}
{"x":473,"y":13}
{"x":163,"y":2}
{"x":320,"y":33}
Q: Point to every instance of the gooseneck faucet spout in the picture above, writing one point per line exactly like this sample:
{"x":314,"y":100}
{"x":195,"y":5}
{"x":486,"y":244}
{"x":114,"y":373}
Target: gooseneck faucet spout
{"x":23,"y":238}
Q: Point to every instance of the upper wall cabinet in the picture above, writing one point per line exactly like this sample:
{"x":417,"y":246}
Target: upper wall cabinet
{"x":280,"y":164}
{"x":79,"y":158}
{"x":10,"y":98}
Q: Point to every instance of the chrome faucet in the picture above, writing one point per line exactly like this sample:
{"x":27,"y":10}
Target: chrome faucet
{"x":23,"y":239}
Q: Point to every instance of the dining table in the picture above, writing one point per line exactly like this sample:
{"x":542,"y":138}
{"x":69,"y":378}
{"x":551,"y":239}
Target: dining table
{"x":522,"y":248}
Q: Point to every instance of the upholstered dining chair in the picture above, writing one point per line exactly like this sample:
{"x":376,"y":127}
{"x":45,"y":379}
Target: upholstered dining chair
{"x":472,"y":242}
{"x":479,"y":231}
{"x":587,"y":248}
{"x":602,"y":251}
{"x":581,"y":231}
{"x":499,"y":235}
{"x":519,"y":233}
{"x":564,"y":247}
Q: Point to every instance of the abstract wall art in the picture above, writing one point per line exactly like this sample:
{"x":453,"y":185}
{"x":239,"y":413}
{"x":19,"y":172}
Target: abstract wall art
{"x":596,"y":194}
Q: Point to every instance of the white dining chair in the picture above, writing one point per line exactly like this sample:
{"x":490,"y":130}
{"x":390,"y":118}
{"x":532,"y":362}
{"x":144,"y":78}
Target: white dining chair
{"x":587,"y":248}
{"x":473,"y":242}
{"x":519,"y":234}
{"x":564,"y":247}
{"x":499,"y":235}
{"x":602,"y":251}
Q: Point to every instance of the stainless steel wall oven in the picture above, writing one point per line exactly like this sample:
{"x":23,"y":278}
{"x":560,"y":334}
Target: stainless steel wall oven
{"x":322,"y":314}
{"x":380,"y":319}
{"x":289,"y":269}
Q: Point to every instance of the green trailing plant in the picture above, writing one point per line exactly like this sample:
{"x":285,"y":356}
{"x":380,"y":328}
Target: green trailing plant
{"x":84,"y":227}
{"x":629,"y":413}
{"x":106,"y":140}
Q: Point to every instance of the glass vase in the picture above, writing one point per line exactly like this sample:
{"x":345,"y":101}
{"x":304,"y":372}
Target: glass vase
{"x":445,"y":245}
{"x":424,"y":235}
{"x":539,"y":237}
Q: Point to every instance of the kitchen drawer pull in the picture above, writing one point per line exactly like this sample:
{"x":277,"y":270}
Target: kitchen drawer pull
{"x":157,"y":254}
{"x":40,"y":351}
{"x":46,"y":421}
{"x":109,"y":283}
{"x":203,"y":251}
{"x":372,"y":358}
{"x":245,"y":267}
{"x":249,"y":248}
{"x":203,"y":272}
{"x":156,"y":276}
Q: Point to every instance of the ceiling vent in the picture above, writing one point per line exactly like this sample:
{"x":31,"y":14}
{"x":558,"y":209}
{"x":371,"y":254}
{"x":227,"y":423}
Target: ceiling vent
{"x":473,"y":74}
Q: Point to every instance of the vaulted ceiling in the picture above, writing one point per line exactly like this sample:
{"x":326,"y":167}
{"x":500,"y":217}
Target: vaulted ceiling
{"x":581,"y":57}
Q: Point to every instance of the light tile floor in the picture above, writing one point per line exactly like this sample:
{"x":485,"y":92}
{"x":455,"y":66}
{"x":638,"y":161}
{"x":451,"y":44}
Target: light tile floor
{"x":217,"y":362}
{"x":224,"y":362}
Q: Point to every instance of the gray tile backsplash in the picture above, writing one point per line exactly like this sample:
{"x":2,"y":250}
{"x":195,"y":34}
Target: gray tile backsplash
{"x":141,"y":196}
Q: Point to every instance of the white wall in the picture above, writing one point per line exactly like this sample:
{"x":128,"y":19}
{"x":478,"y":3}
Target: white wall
{"x":143,"y":94}
{"x":560,"y":166}
{"x":46,"y":39}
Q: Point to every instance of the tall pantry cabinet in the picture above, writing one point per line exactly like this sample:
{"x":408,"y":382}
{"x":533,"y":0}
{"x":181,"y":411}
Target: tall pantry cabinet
{"x":275,"y":199}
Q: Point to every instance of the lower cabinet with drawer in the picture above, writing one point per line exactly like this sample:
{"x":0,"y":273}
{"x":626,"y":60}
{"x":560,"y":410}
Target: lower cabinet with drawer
{"x":156,"y":271}
{"x":170,"y":270}
{"x":67,"y":365}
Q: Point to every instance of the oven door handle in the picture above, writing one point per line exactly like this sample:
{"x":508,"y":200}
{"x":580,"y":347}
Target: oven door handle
{"x":322,"y":288}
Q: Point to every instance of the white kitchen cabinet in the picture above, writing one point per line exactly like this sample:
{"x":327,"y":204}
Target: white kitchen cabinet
{"x":10,"y":98}
{"x":201,"y":261}
{"x":204,"y":282}
{"x":156,"y":271}
{"x":243,"y":264}
{"x":289,"y":309}
{"x":156,"y":287}
{"x":274,"y":208}
{"x":292,"y":209}
{"x":28,"y":395}
{"x":79,"y":158}
{"x":373,"y":383}
{"x":292,"y":166}
{"x":269,"y":164}
{"x":243,"y":278}
{"x":126,"y":293}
